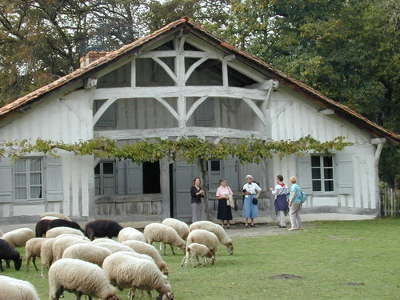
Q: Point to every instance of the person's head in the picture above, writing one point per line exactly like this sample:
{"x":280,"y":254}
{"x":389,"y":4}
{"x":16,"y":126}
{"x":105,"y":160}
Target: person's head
{"x":249,"y":178}
{"x":279,"y":178}
{"x":223,"y":182}
{"x":197,"y":181}
{"x":293,"y":179}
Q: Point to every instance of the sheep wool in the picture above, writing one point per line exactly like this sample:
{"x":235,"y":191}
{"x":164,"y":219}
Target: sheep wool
{"x":54,"y":232}
{"x":130,"y":233}
{"x":104,"y":240}
{"x":87,"y":252}
{"x":114,"y":247}
{"x":205,"y":238}
{"x":196,"y":250}
{"x":156,"y":232}
{"x":46,"y":254}
{"x":32,"y":250}
{"x":15,"y":289}
{"x":150,"y":250}
{"x":55,"y":215}
{"x":81,"y":277}
{"x":8,"y":252}
{"x":135,"y":273}
{"x":218,"y":230}
{"x":181,"y":227}
{"x":63,"y":242}
{"x":18,"y":237}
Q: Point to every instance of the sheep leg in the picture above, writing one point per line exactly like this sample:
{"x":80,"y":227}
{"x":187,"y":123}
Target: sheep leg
{"x":172,"y":249}
{"x":165,"y":248}
{"x":28,"y":261}
{"x":198,"y":261}
{"x":34,"y":264}
{"x":8,"y":264}
{"x":150,"y":295}
{"x":185,"y":259}
{"x":1,"y":265}
{"x":132,"y":293}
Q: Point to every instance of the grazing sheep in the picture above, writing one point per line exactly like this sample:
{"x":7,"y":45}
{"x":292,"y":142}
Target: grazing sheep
{"x":102,"y":228}
{"x":114,"y":247}
{"x":87,"y":252}
{"x":130,"y":233}
{"x":137,"y":255}
{"x":18,"y":237}
{"x":15,"y":289}
{"x":150,"y":250}
{"x":63,"y":223}
{"x":105,"y":240}
{"x":206,"y":238}
{"x":54,"y":232}
{"x":81,"y":278}
{"x":8,"y":252}
{"x":32,"y":250}
{"x":156,"y":232}
{"x":42,"y":227}
{"x":50,"y":218}
{"x":181,"y":227}
{"x":196,"y":250}
{"x":46,"y":254}
{"x":54,"y":215}
{"x":63,"y":242}
{"x":134,"y":273}
{"x":218,"y":230}
{"x":1,"y":233}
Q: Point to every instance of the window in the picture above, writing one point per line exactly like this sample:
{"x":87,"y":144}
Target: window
{"x":108,"y":119}
{"x":104,"y":174}
{"x":151,"y":178}
{"x":322,"y":173}
{"x":28,"y":179}
{"x":215,"y":165}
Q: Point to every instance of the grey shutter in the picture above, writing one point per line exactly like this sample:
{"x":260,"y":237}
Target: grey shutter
{"x":344,"y":173}
{"x":183,"y":177}
{"x":54,"y":179}
{"x":134,"y":178}
{"x":303,"y":166}
{"x":121,"y":177}
{"x":231,"y":173}
{"x":6,"y":180}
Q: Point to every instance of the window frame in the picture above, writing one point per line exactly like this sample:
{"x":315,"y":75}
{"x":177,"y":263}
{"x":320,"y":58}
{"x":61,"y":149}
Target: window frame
{"x":322,"y":177}
{"x":101,"y":178}
{"x":28,"y":184}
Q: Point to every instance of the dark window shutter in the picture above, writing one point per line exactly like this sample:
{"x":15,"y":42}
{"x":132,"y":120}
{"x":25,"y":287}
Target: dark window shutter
{"x":6,"y":177}
{"x":303,"y":166}
{"x":344,"y":173}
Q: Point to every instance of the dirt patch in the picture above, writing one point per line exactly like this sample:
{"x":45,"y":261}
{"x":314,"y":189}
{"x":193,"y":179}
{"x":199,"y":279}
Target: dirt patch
{"x":286,"y":276}
{"x":355,"y":283}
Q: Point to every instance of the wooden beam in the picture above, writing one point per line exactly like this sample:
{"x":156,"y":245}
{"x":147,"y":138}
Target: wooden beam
{"x":194,"y":67}
{"x":327,"y":111}
{"x":166,"y":68}
{"x":103,"y":109}
{"x":168,"y":107}
{"x":225,"y":78}
{"x":194,"y":106}
{"x":214,"y":132}
{"x":256,"y":110}
{"x":377,"y":141}
{"x":229,"y":57}
{"x":133,"y":73}
{"x":176,"y":91}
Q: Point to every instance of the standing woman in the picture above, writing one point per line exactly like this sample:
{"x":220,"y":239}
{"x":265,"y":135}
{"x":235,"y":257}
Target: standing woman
{"x":224,"y":194}
{"x":251,"y":192}
{"x":295,"y":203}
{"x":196,"y":193}
{"x":281,"y":193}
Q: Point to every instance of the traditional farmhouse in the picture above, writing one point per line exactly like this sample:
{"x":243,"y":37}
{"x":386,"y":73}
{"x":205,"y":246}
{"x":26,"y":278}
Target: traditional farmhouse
{"x":181,"y":81}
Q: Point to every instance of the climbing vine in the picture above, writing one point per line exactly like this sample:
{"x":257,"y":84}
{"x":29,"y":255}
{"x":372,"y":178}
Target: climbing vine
{"x":190,"y":149}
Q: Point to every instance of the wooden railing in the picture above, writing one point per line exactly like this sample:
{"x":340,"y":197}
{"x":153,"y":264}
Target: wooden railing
{"x":390,"y":201}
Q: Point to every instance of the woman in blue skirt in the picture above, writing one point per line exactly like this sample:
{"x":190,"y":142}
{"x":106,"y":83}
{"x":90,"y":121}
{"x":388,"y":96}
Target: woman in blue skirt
{"x":251,"y":192}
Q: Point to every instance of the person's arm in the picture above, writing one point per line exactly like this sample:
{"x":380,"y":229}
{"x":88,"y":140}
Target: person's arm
{"x":193,"y":192}
{"x":219,"y":195}
{"x":292,"y":196}
{"x":259,"y":190}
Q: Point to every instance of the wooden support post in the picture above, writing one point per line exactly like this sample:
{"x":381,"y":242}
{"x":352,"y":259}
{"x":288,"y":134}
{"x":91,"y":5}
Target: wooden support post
{"x":165,"y":188}
{"x":377,"y":155}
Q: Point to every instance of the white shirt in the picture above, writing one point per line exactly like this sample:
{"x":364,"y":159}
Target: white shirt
{"x":279,"y":190}
{"x":252,"y":188}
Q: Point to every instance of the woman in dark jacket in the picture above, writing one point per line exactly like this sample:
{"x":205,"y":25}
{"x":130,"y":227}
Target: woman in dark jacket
{"x":196,"y":193}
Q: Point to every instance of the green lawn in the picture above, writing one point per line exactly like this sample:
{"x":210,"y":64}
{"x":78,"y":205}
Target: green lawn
{"x":328,"y":256}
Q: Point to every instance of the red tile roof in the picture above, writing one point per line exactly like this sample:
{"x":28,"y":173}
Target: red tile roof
{"x":110,"y":57}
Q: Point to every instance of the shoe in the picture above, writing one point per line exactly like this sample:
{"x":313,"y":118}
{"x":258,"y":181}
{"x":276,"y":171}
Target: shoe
{"x":246,"y":225}
{"x":292,"y":229}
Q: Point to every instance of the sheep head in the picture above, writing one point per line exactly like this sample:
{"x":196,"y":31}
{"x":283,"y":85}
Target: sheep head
{"x":164,"y":268}
{"x":230,"y":248}
{"x":18,"y":263}
{"x":112,"y":297}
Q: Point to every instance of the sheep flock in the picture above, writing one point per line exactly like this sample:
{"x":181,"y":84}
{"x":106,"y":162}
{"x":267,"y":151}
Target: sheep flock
{"x":104,"y":257}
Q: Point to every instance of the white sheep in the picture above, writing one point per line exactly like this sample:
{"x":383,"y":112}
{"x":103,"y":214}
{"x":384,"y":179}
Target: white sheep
{"x":1,"y":233}
{"x":156,"y":232}
{"x":205,"y":238}
{"x":137,"y":255}
{"x":46,"y":254}
{"x":56,"y":231}
{"x":196,"y":250}
{"x":63,"y":242}
{"x":87,"y":252}
{"x":18,"y":237}
{"x":144,"y":248}
{"x":55,"y":215}
{"x":32,"y":250}
{"x":51,"y":218}
{"x":104,"y":240}
{"x":180,"y":227}
{"x":134,"y":273}
{"x":79,"y":277}
{"x":114,"y":247}
{"x":130,"y":233}
{"x":218,"y":230}
{"x":15,"y":289}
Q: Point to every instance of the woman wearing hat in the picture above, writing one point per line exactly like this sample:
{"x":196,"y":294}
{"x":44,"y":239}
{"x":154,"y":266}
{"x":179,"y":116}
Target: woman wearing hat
{"x":251,"y":192}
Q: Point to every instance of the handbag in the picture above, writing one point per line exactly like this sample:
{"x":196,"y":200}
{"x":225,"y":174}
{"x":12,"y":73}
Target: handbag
{"x":230,"y":202}
{"x":255,"y":201}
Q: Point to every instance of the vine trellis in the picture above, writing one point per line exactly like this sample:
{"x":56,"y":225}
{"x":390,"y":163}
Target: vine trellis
{"x":249,"y":150}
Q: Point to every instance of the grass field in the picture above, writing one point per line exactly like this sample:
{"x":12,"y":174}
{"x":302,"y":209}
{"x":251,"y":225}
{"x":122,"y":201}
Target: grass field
{"x":336,"y":260}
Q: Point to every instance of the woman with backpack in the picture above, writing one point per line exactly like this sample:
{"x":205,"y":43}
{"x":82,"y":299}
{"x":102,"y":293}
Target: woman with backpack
{"x":281,"y":193}
{"x":295,"y":202}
